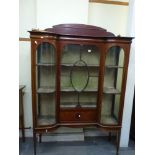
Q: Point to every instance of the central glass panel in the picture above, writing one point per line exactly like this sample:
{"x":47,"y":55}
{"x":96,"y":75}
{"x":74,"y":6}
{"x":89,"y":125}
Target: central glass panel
{"x":79,"y":76}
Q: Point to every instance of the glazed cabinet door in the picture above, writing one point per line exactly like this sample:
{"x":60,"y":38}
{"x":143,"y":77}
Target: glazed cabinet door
{"x":79,"y":76}
{"x":45,"y":83}
{"x":112,"y":85}
{"x":79,"y":82}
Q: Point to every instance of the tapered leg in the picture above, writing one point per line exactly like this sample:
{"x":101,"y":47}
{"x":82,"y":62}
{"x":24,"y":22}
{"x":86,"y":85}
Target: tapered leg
{"x":109,"y":138}
{"x":34,"y":143}
{"x":23,"y":135}
{"x":118,"y":142}
{"x":40,"y":138}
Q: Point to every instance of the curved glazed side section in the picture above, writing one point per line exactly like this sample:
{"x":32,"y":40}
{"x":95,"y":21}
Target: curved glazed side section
{"x":45,"y":84}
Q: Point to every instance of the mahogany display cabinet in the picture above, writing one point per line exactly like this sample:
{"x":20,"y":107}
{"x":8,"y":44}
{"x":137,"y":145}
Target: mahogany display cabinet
{"x":79,"y":77}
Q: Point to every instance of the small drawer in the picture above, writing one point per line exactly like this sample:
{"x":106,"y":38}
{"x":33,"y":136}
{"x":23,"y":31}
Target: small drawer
{"x":77,"y":116}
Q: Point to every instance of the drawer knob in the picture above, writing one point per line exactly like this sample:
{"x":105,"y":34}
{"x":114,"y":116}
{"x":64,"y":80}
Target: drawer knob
{"x":89,"y":50}
{"x":77,"y":115}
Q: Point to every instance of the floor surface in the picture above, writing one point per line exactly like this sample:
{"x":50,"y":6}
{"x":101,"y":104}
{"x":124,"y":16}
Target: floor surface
{"x":91,"y":146}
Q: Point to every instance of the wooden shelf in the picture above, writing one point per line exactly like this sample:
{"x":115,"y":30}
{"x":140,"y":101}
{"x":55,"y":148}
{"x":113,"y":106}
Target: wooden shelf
{"x":52,"y":90}
{"x":71,"y":65}
{"x":91,"y":90}
{"x":67,"y":106}
{"x":90,"y":76}
{"x":74,"y":105}
{"x":113,"y":66}
{"x":45,"y":64}
{"x":67,"y":89}
{"x":73,"y":90}
{"x":111,"y":90}
{"x":88,"y":104}
{"x":45,"y":90}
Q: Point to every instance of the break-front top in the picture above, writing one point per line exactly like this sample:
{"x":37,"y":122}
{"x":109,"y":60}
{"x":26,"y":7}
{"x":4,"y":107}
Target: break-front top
{"x":78,"y":77}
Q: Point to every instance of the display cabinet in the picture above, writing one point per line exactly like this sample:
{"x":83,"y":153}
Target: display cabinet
{"x":78,"y":78}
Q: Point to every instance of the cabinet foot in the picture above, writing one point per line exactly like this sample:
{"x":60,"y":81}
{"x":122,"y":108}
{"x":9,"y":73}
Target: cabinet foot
{"x":109,"y":137}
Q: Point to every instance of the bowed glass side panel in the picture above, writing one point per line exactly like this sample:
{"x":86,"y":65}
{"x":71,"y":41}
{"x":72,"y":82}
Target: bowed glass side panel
{"x":79,"y":76}
{"x":45,"y":84}
{"x":112,"y":86}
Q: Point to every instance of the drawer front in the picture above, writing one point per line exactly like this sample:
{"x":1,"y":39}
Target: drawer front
{"x":77,"y":116}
